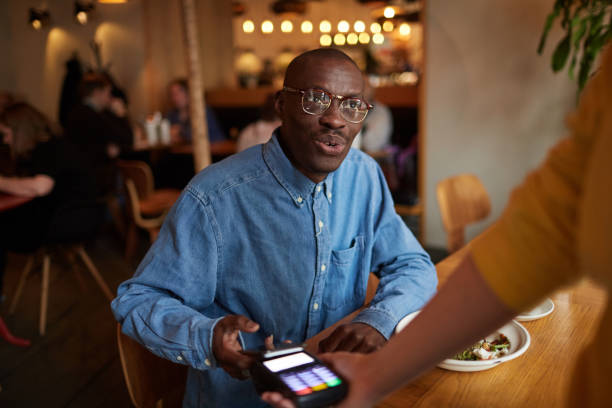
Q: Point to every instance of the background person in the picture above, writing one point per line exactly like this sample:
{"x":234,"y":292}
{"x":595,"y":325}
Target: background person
{"x":49,"y":170}
{"x":278,"y":240}
{"x":260,"y":131}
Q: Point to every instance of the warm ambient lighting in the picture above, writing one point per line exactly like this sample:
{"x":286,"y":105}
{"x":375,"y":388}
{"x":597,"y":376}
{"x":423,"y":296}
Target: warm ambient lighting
{"x":306,"y":27}
{"x":38,"y":18}
{"x":352,"y":39}
{"x":83,"y":11}
{"x":286,"y":26}
{"x":375,"y":28}
{"x":389,"y":12}
{"x":388,"y":26}
{"x":325,"y":26}
{"x":378,"y":38}
{"x":267,"y":27}
{"x":404,"y":29}
{"x":343,"y":26}
{"x":339,"y":39}
{"x":248,"y":26}
{"x":359,"y":26}
{"x":364,"y":38}
{"x":112,"y":1}
{"x":325,"y":40}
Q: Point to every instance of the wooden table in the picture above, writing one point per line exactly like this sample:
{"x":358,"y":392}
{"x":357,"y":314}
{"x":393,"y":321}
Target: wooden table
{"x":538,"y":378}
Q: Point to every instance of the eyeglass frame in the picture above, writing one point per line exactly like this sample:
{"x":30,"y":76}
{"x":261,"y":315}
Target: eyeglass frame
{"x":331,"y":100}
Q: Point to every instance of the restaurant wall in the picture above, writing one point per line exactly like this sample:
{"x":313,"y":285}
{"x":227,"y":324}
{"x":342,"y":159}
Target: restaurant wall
{"x":35,"y":60}
{"x":493,"y":106}
{"x":134,"y":36}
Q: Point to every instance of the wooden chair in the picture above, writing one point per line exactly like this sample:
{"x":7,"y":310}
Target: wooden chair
{"x":72,"y":251}
{"x":462,"y":200}
{"x":146,"y":206}
{"x":151,"y":381}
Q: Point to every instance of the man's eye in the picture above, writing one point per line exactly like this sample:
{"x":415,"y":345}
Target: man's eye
{"x":353,"y":103}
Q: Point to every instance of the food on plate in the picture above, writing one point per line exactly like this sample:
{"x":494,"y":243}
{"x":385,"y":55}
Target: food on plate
{"x":486,"y":350}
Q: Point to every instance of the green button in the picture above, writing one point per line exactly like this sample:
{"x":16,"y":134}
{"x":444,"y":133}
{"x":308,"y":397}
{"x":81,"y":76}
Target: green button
{"x":334,"y":382}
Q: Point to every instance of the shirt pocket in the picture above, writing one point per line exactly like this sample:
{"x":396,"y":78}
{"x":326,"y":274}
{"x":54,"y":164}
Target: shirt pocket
{"x":345,"y":281}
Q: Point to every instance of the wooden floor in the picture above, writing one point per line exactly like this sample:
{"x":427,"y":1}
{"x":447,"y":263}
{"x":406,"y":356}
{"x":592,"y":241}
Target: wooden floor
{"x":76,"y":363}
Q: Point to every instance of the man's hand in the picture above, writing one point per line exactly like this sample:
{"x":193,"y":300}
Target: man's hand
{"x":226,"y":346}
{"x":353,"y":337}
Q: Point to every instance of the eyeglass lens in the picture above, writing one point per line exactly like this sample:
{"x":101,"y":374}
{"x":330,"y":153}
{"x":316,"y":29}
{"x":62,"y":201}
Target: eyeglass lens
{"x":351,"y":109}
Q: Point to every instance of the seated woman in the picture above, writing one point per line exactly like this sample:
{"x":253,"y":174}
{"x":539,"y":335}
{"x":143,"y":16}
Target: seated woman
{"x":47,"y":169}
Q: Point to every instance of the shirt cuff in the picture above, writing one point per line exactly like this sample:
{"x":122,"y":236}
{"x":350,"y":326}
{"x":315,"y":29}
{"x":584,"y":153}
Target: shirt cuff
{"x":207,"y":359}
{"x":380,"y":320}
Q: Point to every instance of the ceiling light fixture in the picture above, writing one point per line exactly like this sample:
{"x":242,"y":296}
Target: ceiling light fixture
{"x":38,"y":18}
{"x":83,"y":11}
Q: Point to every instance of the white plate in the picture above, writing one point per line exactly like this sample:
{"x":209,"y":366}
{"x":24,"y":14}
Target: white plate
{"x":543,"y":309}
{"x":519,"y":342}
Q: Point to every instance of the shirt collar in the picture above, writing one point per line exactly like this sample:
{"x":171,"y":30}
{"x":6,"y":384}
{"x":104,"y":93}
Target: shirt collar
{"x":298,"y":186}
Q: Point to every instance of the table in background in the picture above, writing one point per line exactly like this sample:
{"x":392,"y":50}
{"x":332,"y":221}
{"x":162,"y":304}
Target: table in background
{"x":540,"y":377}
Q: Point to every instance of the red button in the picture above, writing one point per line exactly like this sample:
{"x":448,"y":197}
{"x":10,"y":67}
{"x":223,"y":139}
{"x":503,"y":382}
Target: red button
{"x":304,"y":391}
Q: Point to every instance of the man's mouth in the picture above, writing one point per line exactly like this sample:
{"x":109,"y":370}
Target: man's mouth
{"x":330,"y":146}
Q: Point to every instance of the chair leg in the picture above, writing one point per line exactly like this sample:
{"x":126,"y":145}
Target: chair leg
{"x":44,"y":296}
{"x":22,"y":281}
{"x":94,"y":272}
{"x":71,"y":257}
{"x":131,"y":240}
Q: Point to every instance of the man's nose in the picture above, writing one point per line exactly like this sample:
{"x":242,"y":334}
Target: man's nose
{"x":331,"y":117}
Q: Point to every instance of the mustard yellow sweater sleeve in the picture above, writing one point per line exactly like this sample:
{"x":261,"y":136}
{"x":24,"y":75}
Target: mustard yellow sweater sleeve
{"x":531,"y":249}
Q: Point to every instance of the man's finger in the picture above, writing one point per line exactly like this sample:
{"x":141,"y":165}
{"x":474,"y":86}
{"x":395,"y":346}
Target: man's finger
{"x":245,"y":324}
{"x":350,"y":342}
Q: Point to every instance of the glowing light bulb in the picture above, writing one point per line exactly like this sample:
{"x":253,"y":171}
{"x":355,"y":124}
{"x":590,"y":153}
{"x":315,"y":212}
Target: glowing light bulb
{"x":339,"y":39}
{"x":404,"y":29}
{"x":378,"y":38}
{"x":359,"y":26}
{"x":364,"y":38}
{"x":36,"y":24}
{"x":306,"y":27}
{"x":375,"y":28}
{"x":267,"y":27}
{"x":388,"y":26}
{"x":248,"y":26}
{"x":389,"y":12}
{"x":352,"y":39}
{"x":325,"y":40}
{"x":325,"y":26}
{"x":343,"y":26}
{"x":81,"y":17}
{"x":286,"y":26}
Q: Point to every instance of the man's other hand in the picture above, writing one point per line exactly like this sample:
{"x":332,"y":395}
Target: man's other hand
{"x":226,"y":346}
{"x":353,"y":337}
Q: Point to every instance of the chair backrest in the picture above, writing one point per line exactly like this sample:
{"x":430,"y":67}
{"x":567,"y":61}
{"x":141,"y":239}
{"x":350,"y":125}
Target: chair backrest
{"x":141,"y":175}
{"x":462,"y":200}
{"x":151,"y":381}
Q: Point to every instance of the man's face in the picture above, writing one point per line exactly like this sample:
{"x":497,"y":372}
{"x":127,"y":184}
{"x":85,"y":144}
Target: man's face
{"x":317,"y":144}
{"x":178,"y":96}
{"x":103,"y":97}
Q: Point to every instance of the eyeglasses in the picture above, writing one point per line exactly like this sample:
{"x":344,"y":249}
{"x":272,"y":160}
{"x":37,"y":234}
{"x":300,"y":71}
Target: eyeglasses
{"x":317,"y":101}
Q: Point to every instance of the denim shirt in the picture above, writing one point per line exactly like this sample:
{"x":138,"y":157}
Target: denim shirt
{"x":253,"y":236}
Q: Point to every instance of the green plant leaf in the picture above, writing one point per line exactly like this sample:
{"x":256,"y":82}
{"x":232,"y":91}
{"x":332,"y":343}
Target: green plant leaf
{"x":561,"y":53}
{"x":547,"y":26}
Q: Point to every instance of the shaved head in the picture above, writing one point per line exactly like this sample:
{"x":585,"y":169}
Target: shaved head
{"x":304,"y":61}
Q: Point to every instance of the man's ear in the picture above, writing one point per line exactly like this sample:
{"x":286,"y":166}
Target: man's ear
{"x":279,"y":103}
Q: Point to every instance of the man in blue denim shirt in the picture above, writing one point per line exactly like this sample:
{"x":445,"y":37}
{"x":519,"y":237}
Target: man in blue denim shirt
{"x":278,"y":240}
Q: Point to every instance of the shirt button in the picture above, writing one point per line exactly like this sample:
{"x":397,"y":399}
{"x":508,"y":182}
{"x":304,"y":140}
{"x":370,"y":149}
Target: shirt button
{"x":318,"y":188}
{"x":315,"y":306}
{"x":207,"y":362}
{"x":179,"y":357}
{"x":323,"y":267}
{"x":321,"y":224}
{"x":299,"y":199}
{"x":329,"y":195}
